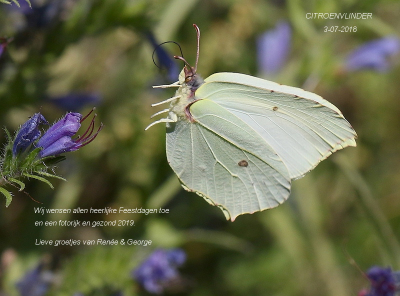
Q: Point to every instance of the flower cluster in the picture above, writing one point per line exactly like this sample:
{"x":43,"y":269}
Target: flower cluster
{"x":374,"y":55}
{"x":29,"y":154}
{"x":384,"y":282}
{"x":273,"y":48}
{"x":36,"y":282}
{"x":159,"y":269}
{"x":58,"y":138}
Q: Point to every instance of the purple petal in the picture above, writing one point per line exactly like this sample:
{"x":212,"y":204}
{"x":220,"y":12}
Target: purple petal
{"x":159,"y":269}
{"x":36,"y":282}
{"x":66,"y":126}
{"x":273,"y":48}
{"x":177,"y":257}
{"x":373,"y":55}
{"x":28,"y":133}
{"x":62,"y":145}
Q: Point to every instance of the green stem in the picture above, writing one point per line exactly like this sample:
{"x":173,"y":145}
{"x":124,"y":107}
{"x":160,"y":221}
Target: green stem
{"x":219,"y":238}
{"x":372,"y":210}
{"x":165,"y":192}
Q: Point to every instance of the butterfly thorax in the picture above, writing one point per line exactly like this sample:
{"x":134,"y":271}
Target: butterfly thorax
{"x":185,"y":95}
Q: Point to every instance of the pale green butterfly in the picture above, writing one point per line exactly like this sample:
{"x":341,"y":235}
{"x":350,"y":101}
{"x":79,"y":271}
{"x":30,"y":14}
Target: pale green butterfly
{"x":238,"y":140}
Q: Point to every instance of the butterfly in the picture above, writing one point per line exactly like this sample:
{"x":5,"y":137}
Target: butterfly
{"x":238,"y":141}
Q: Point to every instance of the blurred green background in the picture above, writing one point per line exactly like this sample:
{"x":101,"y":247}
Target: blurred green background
{"x":346,"y":210}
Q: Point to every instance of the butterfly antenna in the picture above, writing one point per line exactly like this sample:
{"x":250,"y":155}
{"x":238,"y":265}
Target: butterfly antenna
{"x":192,"y":70}
{"x":198,"y":46}
{"x":183,"y":60}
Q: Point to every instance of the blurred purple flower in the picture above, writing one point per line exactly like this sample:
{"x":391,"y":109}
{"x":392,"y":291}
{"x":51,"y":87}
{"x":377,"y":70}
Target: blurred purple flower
{"x":28,"y":133}
{"x":273,"y":48}
{"x":41,"y":14}
{"x":374,"y":54}
{"x":165,"y":60}
{"x":58,"y":138}
{"x":76,"y":101}
{"x":383,"y":282}
{"x":3,"y":45}
{"x":159,"y":269}
{"x":36,"y":282}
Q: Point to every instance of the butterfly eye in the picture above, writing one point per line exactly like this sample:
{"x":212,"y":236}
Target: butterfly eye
{"x":188,"y":78}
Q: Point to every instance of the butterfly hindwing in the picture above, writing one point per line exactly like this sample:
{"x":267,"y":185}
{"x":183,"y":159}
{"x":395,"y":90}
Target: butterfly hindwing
{"x":225,"y":161}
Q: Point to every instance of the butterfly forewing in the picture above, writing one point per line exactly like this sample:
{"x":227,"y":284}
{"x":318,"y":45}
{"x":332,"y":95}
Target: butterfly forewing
{"x":301,"y":127}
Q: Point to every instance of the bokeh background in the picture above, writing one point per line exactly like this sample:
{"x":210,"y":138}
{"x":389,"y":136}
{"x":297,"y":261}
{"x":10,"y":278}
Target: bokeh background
{"x":341,"y":218}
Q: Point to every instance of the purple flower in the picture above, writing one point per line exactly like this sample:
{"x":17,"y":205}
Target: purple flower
{"x":159,"y":269}
{"x":40,"y":15}
{"x":273,"y":48}
{"x":28,"y":133}
{"x":374,"y":54}
{"x":58,"y":138}
{"x":3,"y":44}
{"x":383,"y":282}
{"x":36,"y":282}
{"x":75,"y":101}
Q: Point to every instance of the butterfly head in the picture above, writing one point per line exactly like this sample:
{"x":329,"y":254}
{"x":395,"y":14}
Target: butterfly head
{"x":189,"y":77}
{"x":189,"y":74}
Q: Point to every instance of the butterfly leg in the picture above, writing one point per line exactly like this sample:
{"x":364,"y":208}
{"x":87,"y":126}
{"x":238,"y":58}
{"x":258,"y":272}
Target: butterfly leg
{"x":165,"y":101}
{"x":159,"y":121}
{"x":175,"y":84}
{"x":160,"y":112}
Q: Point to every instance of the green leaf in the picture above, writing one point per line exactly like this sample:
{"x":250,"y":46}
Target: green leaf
{"x":50,"y":175}
{"x":4,"y":1}
{"x":7,"y":195}
{"x":21,"y":184}
{"x":43,"y":163}
{"x":50,"y":160}
{"x":8,"y":161}
{"x":40,"y":179}
{"x":9,"y":138}
{"x":29,"y":159}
